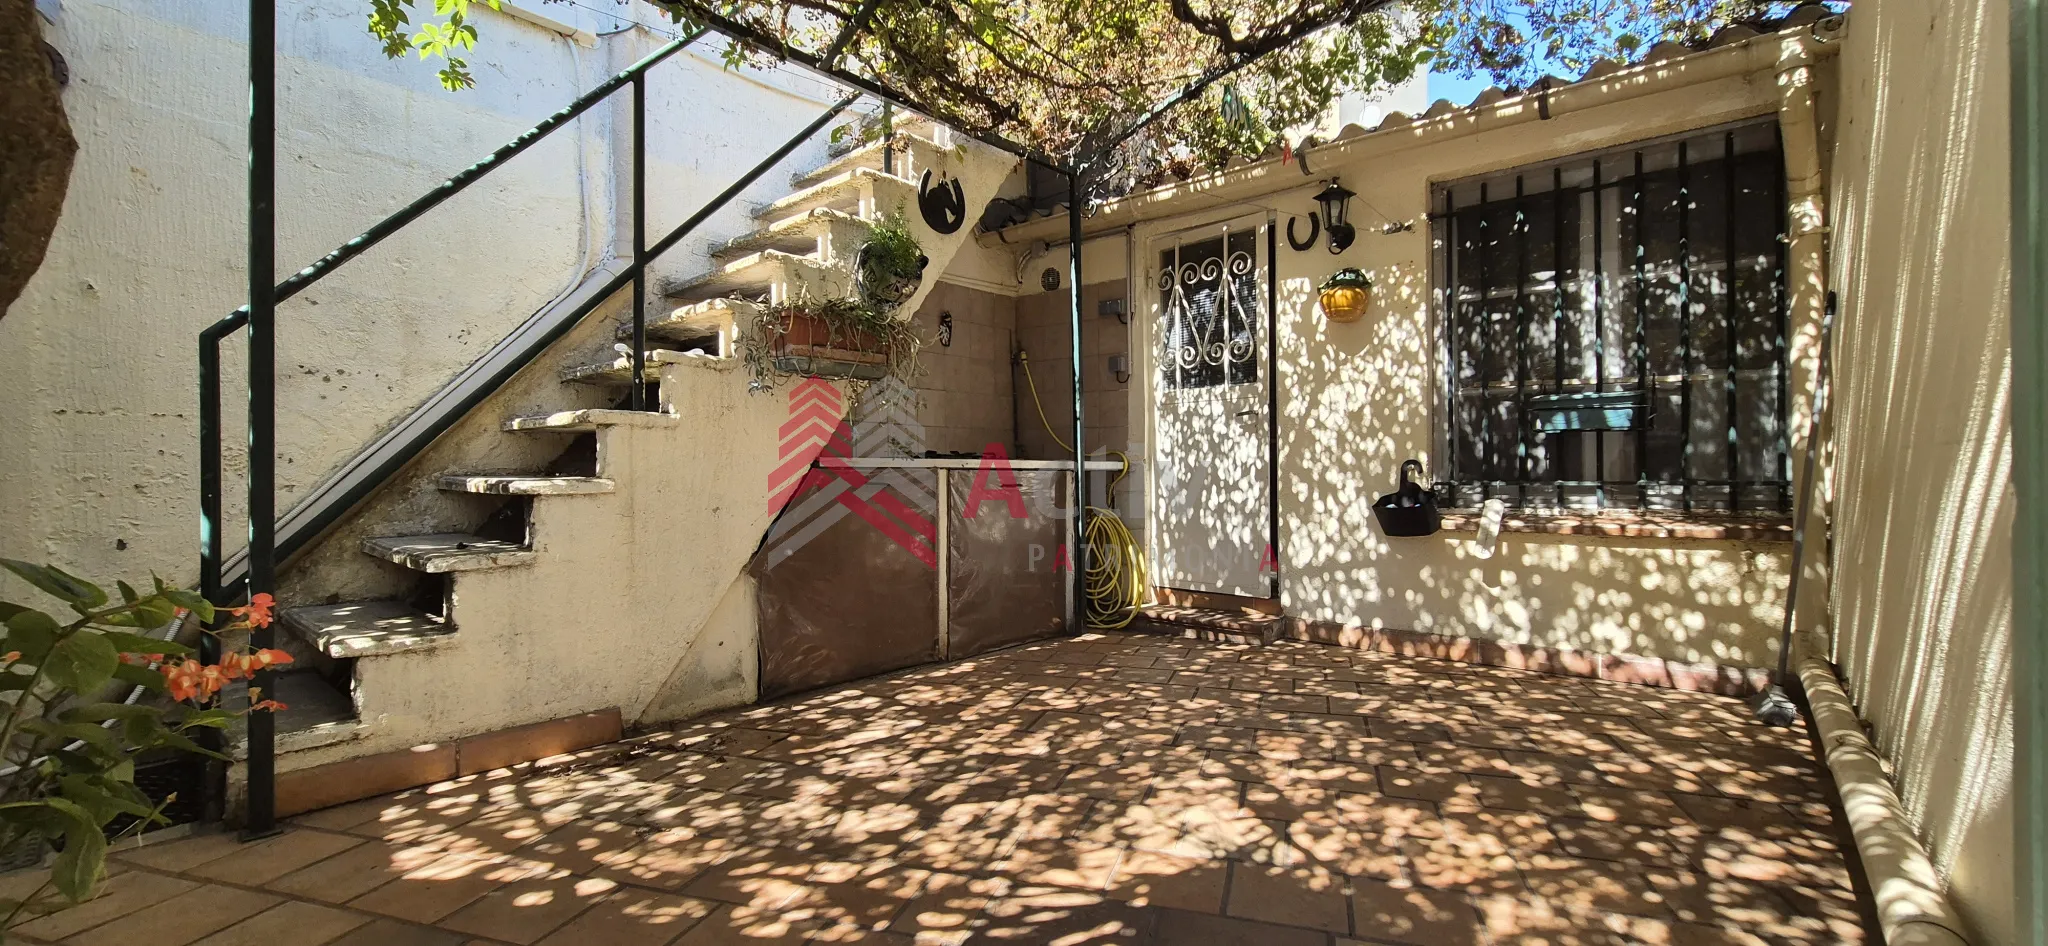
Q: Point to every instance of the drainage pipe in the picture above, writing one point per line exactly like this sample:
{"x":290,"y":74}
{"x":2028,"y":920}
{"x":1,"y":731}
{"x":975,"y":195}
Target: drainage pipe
{"x":1911,"y":909}
{"x":1806,"y":274}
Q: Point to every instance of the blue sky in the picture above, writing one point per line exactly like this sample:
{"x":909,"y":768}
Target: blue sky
{"x":1458,"y":89}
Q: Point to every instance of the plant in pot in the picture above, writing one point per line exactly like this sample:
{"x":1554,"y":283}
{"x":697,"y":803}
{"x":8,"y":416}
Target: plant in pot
{"x":890,"y":265}
{"x":834,"y":338}
{"x":1345,"y":296}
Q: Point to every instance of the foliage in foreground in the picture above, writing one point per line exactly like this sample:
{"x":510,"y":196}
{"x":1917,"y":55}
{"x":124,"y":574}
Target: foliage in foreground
{"x":69,"y":756}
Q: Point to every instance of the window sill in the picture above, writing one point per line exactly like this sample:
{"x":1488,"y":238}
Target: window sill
{"x":1633,"y":525}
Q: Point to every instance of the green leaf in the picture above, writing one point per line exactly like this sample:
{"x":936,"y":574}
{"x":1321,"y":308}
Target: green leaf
{"x":143,"y":644}
{"x":128,"y":595}
{"x":54,"y":581}
{"x":82,"y":663}
{"x":154,"y":612}
{"x":78,"y":866}
{"x":97,"y":737}
{"x":139,"y":676}
{"x":191,"y":601}
{"x":33,"y":633}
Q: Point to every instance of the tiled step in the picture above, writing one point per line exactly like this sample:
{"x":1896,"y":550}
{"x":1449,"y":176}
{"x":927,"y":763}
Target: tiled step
{"x":448,"y":552}
{"x":587,"y":420}
{"x":527,"y":485}
{"x":620,"y":370}
{"x":365,"y":628}
{"x":1237,"y":626}
{"x":823,"y":234}
{"x":863,"y":192}
{"x":914,"y":153}
{"x":769,"y":274}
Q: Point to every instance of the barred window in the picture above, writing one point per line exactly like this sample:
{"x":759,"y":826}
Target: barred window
{"x":1615,"y":328}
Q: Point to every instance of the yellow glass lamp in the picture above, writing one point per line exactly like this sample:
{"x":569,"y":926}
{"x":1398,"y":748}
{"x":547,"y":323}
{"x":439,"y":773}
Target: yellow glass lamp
{"x":1346,"y":295}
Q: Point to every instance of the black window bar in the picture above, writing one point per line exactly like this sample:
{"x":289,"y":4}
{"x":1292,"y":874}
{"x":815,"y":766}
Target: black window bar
{"x":1592,"y":307}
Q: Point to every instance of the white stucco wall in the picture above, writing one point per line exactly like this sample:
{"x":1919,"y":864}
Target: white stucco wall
{"x":1357,"y":399}
{"x":1923,"y":445}
{"x":97,"y":364}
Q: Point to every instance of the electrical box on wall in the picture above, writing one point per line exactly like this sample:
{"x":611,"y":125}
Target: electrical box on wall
{"x":1120,"y":367}
{"x":1112,"y":309}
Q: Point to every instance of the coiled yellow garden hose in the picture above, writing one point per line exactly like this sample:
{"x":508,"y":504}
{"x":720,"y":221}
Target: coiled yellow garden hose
{"x":1115,"y":581}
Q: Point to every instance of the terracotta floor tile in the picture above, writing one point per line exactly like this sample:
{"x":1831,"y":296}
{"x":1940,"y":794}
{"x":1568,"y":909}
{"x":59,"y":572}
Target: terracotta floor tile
{"x":289,"y":924}
{"x":180,"y":920}
{"x":183,"y":854}
{"x":527,"y":910}
{"x":1049,"y":915}
{"x":1292,"y":897}
{"x":119,"y":896}
{"x":394,"y":933}
{"x":631,"y":918}
{"x":1413,"y":915}
{"x":1517,"y":795}
{"x":271,"y":857}
{"x":1150,"y":879}
{"x":1194,"y":929}
{"x":434,"y":889}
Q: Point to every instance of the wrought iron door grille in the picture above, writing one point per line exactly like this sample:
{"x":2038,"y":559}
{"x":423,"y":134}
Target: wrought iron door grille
{"x":1209,"y":291}
{"x":1615,"y":328}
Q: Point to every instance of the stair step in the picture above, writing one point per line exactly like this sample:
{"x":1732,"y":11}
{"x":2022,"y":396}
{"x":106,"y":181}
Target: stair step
{"x":697,"y":320}
{"x":1212,"y":623}
{"x":863,"y":192}
{"x":768,"y":273}
{"x":620,"y":370}
{"x":448,"y":552}
{"x":527,"y":485}
{"x":823,"y":234}
{"x":913,"y":154}
{"x":316,"y":714}
{"x":587,"y":420}
{"x":365,"y":628}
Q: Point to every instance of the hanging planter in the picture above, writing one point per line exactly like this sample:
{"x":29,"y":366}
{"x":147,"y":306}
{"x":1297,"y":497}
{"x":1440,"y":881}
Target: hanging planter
{"x":889,"y":267}
{"x":1345,"y":295}
{"x":840,"y":338}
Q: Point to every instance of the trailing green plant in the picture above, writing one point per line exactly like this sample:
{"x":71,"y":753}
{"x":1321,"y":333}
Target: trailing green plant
{"x":67,"y":757}
{"x":890,"y":262}
{"x":851,"y":324}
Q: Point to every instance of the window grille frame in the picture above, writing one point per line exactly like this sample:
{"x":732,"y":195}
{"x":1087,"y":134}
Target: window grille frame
{"x":1617,"y":198}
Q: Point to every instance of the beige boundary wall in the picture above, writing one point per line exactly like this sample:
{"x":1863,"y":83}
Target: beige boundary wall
{"x":1923,"y":451}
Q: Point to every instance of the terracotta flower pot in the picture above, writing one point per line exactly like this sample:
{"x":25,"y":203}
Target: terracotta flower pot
{"x":1346,"y":295}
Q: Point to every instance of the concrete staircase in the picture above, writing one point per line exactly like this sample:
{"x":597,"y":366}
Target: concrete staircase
{"x":612,"y":575}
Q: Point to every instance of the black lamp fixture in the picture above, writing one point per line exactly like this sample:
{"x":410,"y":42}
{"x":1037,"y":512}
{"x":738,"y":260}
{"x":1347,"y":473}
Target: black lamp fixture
{"x":1335,"y":201}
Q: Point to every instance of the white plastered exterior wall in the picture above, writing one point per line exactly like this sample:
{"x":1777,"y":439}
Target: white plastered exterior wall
{"x":1358,"y":399}
{"x":1922,"y":471}
{"x":97,"y":359}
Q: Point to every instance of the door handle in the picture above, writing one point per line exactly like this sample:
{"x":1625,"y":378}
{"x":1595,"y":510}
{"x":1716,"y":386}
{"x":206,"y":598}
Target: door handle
{"x":1247,"y":412}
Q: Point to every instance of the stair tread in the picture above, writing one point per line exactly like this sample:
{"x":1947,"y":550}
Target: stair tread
{"x":862,"y":155}
{"x":696,"y":320}
{"x":588,"y":419}
{"x":620,"y":370}
{"x":754,"y":273}
{"x":833,"y":189}
{"x":365,"y":628}
{"x":1247,"y":621}
{"x":526,"y":485}
{"x":796,"y":234}
{"x":444,"y":552}
{"x":316,"y":713}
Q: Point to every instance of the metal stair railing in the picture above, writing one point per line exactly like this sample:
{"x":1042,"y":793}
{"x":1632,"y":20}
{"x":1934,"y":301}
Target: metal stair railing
{"x":270,"y":538}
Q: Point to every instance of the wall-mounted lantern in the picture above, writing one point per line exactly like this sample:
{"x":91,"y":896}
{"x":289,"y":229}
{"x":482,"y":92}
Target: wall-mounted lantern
{"x":1335,"y":202}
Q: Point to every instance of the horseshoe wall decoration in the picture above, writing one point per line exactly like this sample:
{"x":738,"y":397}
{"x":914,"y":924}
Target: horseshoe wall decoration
{"x":944,"y":207}
{"x":1315,"y":226}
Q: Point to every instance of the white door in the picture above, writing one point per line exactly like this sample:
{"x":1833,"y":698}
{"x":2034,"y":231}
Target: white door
{"x":1209,"y":403}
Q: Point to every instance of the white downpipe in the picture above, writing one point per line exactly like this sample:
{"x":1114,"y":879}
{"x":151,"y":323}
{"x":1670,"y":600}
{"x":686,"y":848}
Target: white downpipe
{"x":1911,"y":909}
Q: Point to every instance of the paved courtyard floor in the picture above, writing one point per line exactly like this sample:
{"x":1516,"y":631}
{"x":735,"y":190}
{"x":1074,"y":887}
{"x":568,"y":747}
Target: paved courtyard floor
{"x":1107,"y":789}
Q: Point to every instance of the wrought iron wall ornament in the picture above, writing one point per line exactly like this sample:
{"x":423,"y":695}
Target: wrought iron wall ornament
{"x":945,"y":329}
{"x":943,"y":206}
{"x":1049,"y":280}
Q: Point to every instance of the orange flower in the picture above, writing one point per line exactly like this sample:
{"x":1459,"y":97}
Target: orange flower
{"x":248,"y":664}
{"x":182,"y":679}
{"x":10,"y":657}
{"x":142,"y":660}
{"x":268,"y":705}
{"x":257,"y":611}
